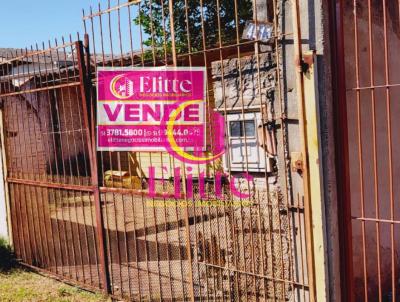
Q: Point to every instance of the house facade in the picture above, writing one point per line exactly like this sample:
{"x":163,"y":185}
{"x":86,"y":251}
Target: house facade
{"x":308,"y":92}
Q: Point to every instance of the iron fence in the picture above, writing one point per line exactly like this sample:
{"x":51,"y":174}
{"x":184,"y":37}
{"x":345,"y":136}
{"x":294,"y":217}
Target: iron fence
{"x":368,"y":137}
{"x":86,"y":215}
{"x":48,"y":162}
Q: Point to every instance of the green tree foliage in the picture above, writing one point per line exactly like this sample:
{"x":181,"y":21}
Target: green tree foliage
{"x":200,"y":18}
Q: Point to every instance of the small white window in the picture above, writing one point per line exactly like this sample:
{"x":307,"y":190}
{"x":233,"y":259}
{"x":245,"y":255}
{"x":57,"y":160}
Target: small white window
{"x":242,"y":128}
{"x":243,"y":151}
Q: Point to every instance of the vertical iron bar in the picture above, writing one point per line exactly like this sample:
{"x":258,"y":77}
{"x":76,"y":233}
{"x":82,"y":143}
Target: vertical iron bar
{"x":303,"y":134}
{"x":90,"y":132}
{"x":360,"y":156}
{"x":59,"y":96}
{"x":390,"y":149}
{"x":342,"y":149}
{"x":374,"y":143}
{"x":50,"y":132}
{"x":58,"y":146}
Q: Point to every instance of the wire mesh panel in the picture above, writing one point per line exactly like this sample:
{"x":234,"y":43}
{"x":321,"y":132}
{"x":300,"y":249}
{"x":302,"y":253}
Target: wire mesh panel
{"x":206,"y":243}
{"x":47,"y":159}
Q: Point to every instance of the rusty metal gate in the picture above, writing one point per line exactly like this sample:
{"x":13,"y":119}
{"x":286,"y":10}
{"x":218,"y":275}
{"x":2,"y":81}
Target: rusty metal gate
{"x":85,"y":215}
{"x":50,"y":161}
{"x":367,"y":36}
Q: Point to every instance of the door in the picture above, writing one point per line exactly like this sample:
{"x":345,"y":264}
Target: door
{"x":368,"y":147}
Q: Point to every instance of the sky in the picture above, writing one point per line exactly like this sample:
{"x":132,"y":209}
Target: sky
{"x":26,"y":22}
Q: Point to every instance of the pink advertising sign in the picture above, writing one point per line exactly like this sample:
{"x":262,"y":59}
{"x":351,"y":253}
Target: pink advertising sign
{"x":151,"y":109}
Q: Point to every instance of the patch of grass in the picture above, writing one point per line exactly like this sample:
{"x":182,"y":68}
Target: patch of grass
{"x":7,"y":260}
{"x":19,"y":285}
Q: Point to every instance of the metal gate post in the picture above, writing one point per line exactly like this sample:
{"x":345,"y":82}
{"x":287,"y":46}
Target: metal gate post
{"x":314,"y":146}
{"x":342,"y":152}
{"x":5,"y":176}
{"x":303,"y":134}
{"x":91,"y":138}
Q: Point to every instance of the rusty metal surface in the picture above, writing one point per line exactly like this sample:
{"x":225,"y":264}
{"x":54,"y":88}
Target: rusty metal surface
{"x":69,"y":219}
{"x":367,"y":131}
{"x":48,"y":171}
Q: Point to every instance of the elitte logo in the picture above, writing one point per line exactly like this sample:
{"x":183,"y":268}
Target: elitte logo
{"x":122,"y":87}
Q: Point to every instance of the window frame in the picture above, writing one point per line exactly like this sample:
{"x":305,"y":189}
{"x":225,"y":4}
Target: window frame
{"x":242,"y":123}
